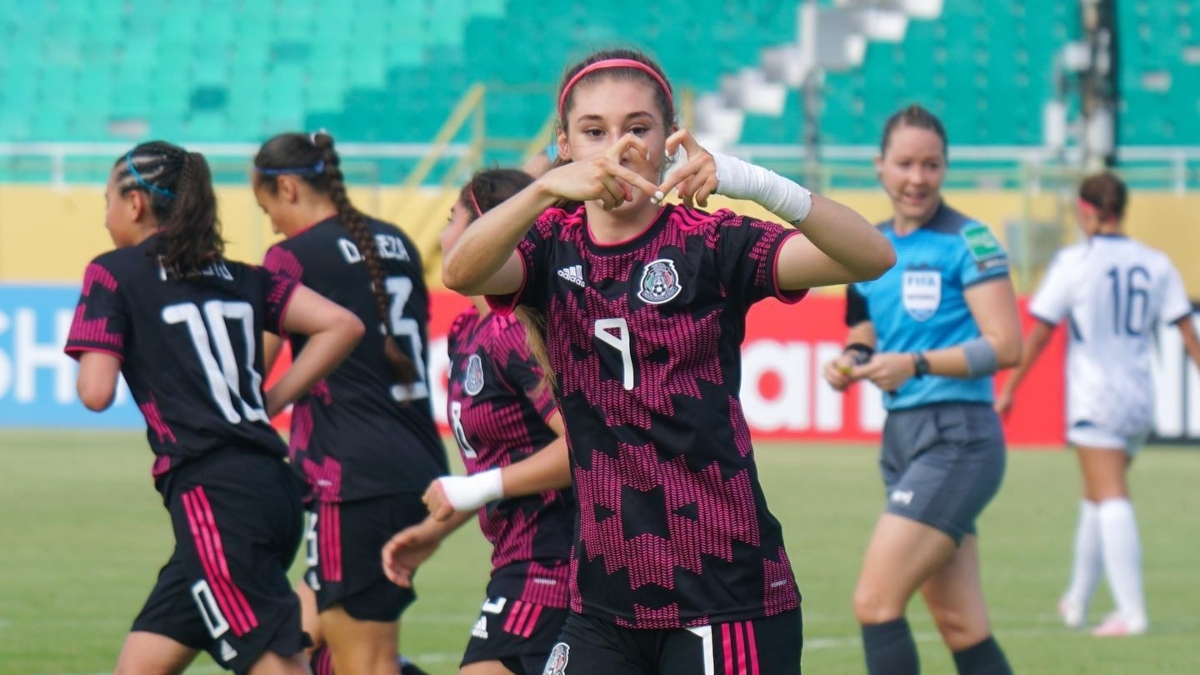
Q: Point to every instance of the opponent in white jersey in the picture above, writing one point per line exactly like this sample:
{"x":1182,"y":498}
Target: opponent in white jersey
{"x":1112,"y":292}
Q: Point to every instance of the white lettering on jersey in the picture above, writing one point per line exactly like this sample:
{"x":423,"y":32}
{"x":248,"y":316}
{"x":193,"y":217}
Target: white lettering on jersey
{"x":390,"y":247}
{"x":217,"y":269}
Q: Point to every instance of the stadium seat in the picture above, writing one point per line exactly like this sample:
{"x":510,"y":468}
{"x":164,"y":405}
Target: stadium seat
{"x":393,"y":69}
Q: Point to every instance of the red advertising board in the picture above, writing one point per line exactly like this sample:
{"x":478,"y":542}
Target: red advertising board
{"x":783,"y":395}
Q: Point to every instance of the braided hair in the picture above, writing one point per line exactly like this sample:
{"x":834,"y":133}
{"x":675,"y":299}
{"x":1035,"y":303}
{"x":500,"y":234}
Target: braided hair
{"x":178,"y":187}
{"x":313,"y":159}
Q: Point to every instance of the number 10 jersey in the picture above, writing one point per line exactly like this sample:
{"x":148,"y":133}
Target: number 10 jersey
{"x":190,"y":350}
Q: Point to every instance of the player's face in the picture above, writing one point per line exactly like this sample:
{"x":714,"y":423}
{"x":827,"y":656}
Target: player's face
{"x":912,"y":169}
{"x":277,"y":209}
{"x":120,"y":215}
{"x":460,"y":217}
{"x":605,"y":110}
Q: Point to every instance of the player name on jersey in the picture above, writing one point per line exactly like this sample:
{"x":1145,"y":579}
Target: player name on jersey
{"x":390,"y":248}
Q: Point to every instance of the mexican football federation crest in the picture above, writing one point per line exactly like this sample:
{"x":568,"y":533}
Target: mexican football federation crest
{"x":473,"y":378}
{"x":557,"y":663}
{"x":660,"y":282}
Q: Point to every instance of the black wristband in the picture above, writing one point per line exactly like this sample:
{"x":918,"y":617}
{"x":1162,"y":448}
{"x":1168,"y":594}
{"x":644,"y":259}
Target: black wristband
{"x":860,"y":352}
{"x":920,"y":365}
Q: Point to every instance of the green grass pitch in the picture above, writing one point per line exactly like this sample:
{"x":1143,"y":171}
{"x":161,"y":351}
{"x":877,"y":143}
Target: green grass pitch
{"x":82,"y":534}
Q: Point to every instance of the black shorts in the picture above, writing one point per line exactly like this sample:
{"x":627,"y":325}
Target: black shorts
{"x":516,"y":633}
{"x":767,"y":646}
{"x":344,"y":543}
{"x":942,"y":464}
{"x":238,"y":522}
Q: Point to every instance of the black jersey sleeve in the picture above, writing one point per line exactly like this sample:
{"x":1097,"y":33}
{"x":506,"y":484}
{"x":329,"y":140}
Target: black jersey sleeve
{"x":856,"y":307}
{"x":277,"y":293}
{"x":283,"y":261}
{"x":533,"y":250}
{"x":749,"y":252}
{"x":101,"y":317}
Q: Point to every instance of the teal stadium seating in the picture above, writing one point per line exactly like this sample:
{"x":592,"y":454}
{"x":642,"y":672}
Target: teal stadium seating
{"x":391,"y":70}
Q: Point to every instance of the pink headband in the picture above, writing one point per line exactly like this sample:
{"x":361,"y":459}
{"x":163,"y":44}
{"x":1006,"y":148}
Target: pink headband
{"x":605,"y":65}
{"x":474,"y":202}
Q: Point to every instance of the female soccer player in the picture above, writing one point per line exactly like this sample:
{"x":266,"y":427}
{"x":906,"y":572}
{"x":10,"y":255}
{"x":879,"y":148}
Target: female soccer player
{"x":502,"y":411}
{"x":930,"y":333}
{"x":365,"y":436}
{"x":181,"y":323}
{"x":1112,"y":290}
{"x":678,"y":565}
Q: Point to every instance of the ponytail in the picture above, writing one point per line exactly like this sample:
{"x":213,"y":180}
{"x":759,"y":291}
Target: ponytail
{"x":178,"y":185}
{"x":353,"y":220}
{"x":312,"y":158}
{"x":535,"y":339}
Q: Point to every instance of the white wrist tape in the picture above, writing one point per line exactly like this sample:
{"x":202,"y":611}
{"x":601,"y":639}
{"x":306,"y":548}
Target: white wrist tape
{"x":742,"y":180}
{"x":467,"y":493}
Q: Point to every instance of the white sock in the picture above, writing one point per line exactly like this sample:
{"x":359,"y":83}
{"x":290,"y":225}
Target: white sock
{"x":1122,"y":557}
{"x":1089,"y":556}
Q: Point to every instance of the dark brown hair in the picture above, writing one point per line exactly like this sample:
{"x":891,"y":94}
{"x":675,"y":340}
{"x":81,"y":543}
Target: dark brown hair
{"x":486,"y":190}
{"x":914,"y":116}
{"x":312,"y":159}
{"x":663,"y":97}
{"x":178,"y":186}
{"x":1107,"y":193}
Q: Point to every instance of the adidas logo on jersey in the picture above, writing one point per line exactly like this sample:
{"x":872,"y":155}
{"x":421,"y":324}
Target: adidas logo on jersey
{"x":573,"y":274}
{"x":228,"y":653}
{"x":480,"y":629}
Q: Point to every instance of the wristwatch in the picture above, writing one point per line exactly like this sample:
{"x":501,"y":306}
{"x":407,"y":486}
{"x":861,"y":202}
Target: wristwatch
{"x":920,"y":365}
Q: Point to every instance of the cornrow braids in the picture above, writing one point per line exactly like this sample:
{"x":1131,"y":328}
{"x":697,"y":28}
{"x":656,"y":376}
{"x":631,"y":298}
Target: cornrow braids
{"x":353,"y":220}
{"x":178,"y":186}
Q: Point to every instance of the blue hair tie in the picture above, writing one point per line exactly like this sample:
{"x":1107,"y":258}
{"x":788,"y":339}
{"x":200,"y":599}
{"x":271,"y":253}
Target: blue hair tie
{"x":319,"y":167}
{"x":142,"y":181}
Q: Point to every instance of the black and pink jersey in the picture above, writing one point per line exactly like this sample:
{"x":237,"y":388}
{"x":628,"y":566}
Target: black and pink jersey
{"x":359,"y":433}
{"x":190,"y":349}
{"x":645,"y":338}
{"x":498,"y":408}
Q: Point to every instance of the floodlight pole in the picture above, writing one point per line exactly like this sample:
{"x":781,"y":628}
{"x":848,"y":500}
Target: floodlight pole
{"x":810,"y":93}
{"x":1100,"y":83}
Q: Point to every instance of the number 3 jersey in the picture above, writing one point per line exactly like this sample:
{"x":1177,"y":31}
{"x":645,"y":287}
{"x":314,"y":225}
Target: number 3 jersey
{"x":359,"y":433}
{"x":645,"y":339}
{"x":190,"y":350}
{"x":1111,"y":291}
{"x":498,"y":409}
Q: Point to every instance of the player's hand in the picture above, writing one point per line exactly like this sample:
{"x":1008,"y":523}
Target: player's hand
{"x":839,"y":372}
{"x":1004,"y":402}
{"x":438,"y":503}
{"x":696,"y":179}
{"x":609,"y":178}
{"x":888,"y":370}
{"x":405,"y":552}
